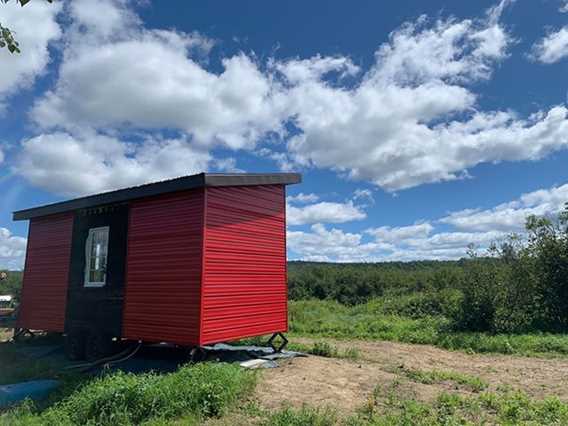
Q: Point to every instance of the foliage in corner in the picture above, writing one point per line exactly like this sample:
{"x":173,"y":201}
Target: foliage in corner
{"x":7,"y":39}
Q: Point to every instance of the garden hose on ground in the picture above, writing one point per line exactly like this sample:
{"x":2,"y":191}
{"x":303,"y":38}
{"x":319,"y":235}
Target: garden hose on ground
{"x":107,"y":361}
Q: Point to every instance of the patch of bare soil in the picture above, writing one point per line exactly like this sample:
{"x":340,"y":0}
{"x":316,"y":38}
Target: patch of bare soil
{"x":342,"y":384}
{"x":347,"y":385}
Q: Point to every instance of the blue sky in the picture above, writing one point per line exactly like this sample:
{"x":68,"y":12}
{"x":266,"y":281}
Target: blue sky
{"x":419,"y":127}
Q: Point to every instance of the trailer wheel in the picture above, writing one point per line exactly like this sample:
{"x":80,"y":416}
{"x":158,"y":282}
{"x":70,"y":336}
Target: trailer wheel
{"x":74,"y":345}
{"x":98,"y":345}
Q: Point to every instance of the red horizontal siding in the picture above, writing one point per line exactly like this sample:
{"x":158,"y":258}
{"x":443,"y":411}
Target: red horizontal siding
{"x":244,"y":285}
{"x":46,"y":273}
{"x":165,"y":238}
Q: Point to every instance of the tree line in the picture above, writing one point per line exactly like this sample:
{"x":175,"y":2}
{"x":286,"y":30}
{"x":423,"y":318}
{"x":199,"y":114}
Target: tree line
{"x":520,"y":285}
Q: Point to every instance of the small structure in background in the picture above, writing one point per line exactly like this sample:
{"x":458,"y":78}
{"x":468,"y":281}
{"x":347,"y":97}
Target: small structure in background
{"x":7,"y":311}
{"x":192,"y":261}
{"x":6,"y":305}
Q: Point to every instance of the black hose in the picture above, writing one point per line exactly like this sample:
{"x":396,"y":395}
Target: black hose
{"x":126,"y":358}
{"x":110,"y":359}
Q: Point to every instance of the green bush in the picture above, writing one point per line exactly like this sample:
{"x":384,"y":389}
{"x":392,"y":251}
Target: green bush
{"x":524,"y":287}
{"x":329,"y":319}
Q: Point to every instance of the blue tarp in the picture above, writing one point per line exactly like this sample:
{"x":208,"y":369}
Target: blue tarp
{"x":36,"y":390}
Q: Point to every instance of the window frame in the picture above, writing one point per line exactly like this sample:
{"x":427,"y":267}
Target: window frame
{"x":88,"y":246}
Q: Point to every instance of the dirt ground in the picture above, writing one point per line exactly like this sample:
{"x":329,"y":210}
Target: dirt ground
{"x":346,"y":384}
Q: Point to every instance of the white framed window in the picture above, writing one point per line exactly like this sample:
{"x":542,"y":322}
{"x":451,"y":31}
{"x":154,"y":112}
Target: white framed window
{"x":96,"y":250}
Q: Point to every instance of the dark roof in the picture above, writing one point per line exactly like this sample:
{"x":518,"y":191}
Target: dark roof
{"x":173,"y":185}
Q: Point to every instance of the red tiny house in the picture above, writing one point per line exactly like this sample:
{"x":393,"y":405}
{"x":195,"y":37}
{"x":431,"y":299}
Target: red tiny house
{"x":192,"y":261}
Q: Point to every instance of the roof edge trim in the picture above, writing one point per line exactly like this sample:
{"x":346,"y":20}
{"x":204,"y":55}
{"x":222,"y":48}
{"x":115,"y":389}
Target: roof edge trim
{"x":157,"y":188}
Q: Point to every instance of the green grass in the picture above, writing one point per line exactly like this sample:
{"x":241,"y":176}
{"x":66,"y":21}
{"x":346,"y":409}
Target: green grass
{"x":429,"y":377}
{"x":193,"y":392}
{"x":305,"y":416}
{"x":17,"y":368}
{"x":325,"y":349}
{"x":388,"y":408}
{"x":197,"y":393}
{"x":378,"y":320}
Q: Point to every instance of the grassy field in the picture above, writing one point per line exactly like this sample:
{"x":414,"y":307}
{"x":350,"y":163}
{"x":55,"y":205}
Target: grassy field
{"x":218,"y":394}
{"x":387,"y":319}
{"x":223,"y":394}
{"x":387,"y":408}
{"x":191,"y":394}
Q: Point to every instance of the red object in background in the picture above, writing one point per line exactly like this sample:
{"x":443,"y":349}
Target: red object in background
{"x":44,"y":287}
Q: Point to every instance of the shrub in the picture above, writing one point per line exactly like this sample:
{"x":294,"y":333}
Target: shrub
{"x":524,"y":287}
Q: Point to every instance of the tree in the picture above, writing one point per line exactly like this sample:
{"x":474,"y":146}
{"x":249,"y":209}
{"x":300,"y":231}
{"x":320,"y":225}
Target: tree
{"x":7,"y":39}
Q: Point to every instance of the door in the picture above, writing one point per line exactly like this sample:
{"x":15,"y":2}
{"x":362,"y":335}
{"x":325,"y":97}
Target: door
{"x":97,"y":272}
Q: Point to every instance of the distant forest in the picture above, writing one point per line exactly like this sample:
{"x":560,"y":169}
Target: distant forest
{"x":353,"y":283}
{"x":520,"y":286}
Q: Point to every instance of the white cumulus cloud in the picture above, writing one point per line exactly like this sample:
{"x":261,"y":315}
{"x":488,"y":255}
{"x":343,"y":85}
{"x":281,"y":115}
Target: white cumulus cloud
{"x":511,"y":216}
{"x":411,"y":118}
{"x":395,"y":234}
{"x":12,"y":250}
{"x":553,"y":47}
{"x":71,"y":165}
{"x":425,"y":240}
{"x":116,"y":73}
{"x":34,"y":27}
{"x":302,"y":198}
{"x":324,"y":211}
{"x":322,"y":244}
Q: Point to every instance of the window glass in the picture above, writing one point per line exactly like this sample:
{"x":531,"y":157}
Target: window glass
{"x":96,"y":249}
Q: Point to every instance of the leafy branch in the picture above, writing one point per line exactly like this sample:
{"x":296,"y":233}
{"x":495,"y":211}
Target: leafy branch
{"x":7,"y":39}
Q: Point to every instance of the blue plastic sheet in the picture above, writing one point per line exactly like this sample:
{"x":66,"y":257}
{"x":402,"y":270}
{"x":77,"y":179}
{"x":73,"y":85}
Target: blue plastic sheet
{"x":36,"y":390}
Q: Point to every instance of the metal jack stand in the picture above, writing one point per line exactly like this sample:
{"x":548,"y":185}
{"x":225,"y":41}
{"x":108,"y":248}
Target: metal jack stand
{"x":281,"y":346}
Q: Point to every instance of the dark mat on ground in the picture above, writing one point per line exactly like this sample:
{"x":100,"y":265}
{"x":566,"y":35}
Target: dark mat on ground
{"x":161,"y":357}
